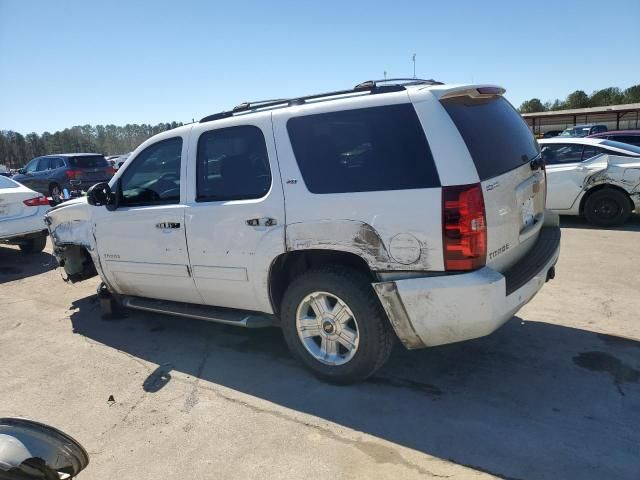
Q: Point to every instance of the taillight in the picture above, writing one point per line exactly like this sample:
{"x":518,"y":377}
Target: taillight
{"x":36,"y":202}
{"x":464,"y":229}
{"x":72,"y":174}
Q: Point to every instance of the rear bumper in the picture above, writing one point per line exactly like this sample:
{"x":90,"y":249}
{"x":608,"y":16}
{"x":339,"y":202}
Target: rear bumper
{"x":24,"y":226}
{"x":430,"y":311}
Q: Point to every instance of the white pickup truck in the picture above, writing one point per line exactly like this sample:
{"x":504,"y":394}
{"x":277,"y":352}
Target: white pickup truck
{"x":407,"y":209}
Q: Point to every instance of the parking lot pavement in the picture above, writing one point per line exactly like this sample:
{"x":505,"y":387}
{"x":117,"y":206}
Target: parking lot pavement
{"x":554,"y":394}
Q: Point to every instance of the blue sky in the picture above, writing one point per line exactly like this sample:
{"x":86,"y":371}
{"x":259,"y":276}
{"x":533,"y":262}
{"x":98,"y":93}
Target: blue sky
{"x":65,"y":63}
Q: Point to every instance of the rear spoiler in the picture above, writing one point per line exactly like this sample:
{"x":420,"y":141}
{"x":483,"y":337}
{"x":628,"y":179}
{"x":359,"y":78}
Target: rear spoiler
{"x":481,"y":91}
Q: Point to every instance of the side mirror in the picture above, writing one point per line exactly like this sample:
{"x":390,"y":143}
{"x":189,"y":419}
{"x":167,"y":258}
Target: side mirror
{"x":22,"y":171}
{"x":100,"y":195}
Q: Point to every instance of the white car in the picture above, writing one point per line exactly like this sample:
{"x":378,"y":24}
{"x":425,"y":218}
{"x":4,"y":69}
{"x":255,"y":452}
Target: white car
{"x":412,"y":210}
{"x":594,"y":177}
{"x":22,"y":216}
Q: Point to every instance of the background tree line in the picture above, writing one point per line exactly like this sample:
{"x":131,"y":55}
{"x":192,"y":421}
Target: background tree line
{"x":579,"y":99}
{"x":17,"y":149}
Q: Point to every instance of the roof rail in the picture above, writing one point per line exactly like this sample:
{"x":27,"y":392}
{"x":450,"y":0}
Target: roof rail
{"x":371,"y":86}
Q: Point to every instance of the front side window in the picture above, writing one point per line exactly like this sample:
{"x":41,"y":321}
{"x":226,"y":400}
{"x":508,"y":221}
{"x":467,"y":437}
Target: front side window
{"x":154,"y":176}
{"x":363,"y":150}
{"x":32,"y":165}
{"x":562,"y":153}
{"x":232,"y":164}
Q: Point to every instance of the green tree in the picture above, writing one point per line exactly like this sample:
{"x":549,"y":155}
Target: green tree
{"x":632,"y":94}
{"x":606,"y":96}
{"x":532,"y":106}
{"x":577,"y":99}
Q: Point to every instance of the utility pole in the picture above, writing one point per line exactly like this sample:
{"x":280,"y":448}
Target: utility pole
{"x":414,"y":65}
{"x":385,"y":74}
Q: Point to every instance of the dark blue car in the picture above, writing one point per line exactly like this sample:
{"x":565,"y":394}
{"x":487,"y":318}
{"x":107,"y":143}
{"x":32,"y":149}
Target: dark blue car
{"x":51,"y":174}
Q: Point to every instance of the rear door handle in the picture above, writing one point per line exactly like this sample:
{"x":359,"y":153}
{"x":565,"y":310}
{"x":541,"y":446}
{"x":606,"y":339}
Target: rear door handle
{"x":167,"y":225}
{"x":262,"y":222}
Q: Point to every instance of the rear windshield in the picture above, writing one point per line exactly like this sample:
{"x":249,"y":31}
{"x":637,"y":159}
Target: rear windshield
{"x":496,"y":135}
{"x":7,"y":183}
{"x":624,"y":146}
{"x":88,"y":161}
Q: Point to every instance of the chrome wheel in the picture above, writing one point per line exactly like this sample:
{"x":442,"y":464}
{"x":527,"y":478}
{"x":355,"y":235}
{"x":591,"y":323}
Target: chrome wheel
{"x":327,"y":328}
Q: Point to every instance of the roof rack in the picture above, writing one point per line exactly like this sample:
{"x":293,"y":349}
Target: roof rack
{"x":371,"y":86}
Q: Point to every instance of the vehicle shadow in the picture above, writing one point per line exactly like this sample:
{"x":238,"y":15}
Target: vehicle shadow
{"x":568,"y":221}
{"x":15,"y":265}
{"x":532,"y":401}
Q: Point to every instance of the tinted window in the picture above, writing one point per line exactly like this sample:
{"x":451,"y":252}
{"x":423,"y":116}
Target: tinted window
{"x":154,"y":175}
{"x":89,"y":161}
{"x":363,"y":150}
{"x":57,"y":162}
{"x":497,"y":137}
{"x":562,"y":153}
{"x":625,"y":146}
{"x":232,"y":164}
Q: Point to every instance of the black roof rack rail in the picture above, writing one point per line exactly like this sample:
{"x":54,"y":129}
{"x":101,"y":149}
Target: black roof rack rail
{"x":372,"y":86}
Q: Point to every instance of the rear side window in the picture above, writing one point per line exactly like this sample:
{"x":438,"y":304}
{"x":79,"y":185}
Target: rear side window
{"x":633,"y":149}
{"x":497,"y":137}
{"x":232,"y":165}
{"x":45,"y":164}
{"x":88,"y":161}
{"x":554,"y":153}
{"x":363,"y":150}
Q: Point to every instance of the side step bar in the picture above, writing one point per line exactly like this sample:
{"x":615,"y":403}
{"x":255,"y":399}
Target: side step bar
{"x":228,"y":316}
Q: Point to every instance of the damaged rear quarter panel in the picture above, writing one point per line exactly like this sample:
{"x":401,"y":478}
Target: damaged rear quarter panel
{"x":622,"y":172}
{"x":361,"y":239}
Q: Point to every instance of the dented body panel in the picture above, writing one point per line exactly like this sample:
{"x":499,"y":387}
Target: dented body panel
{"x":437,"y":310}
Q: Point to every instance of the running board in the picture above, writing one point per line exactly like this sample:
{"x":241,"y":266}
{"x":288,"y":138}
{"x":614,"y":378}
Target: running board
{"x":228,"y":316}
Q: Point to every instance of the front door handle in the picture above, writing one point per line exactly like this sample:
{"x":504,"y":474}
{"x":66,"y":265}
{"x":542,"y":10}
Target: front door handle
{"x":167,"y":225}
{"x":262,"y":222}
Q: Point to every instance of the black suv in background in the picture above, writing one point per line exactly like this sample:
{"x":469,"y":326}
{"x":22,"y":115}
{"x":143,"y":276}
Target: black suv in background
{"x":51,"y":174}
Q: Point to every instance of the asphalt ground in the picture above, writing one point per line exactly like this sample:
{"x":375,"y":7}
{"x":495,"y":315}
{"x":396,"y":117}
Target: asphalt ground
{"x":554,"y":394}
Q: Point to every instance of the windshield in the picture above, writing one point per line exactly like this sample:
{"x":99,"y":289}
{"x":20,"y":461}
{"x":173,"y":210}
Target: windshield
{"x":622,"y":146}
{"x":576,"y":132}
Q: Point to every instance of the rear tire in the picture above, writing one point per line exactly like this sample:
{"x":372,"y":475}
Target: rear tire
{"x":346,"y":350}
{"x":55,"y":192}
{"x":34,"y":245}
{"x":607,"y":207}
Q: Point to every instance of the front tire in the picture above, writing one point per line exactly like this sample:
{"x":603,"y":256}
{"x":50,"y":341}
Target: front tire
{"x":333,"y":322}
{"x":110,"y":305}
{"x":34,"y":245}
{"x":607,"y":207}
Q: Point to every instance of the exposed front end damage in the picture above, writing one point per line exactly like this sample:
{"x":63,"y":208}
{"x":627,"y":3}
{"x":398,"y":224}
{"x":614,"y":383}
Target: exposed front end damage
{"x":71,"y":230}
{"x":619,"y":171}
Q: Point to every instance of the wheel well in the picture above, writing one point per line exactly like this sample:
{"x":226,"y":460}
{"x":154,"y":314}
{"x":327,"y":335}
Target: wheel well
{"x":601,"y":187}
{"x":76,"y":261}
{"x":289,"y":265}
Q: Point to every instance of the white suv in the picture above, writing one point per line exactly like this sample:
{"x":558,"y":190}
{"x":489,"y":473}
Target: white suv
{"x":410,"y":209}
